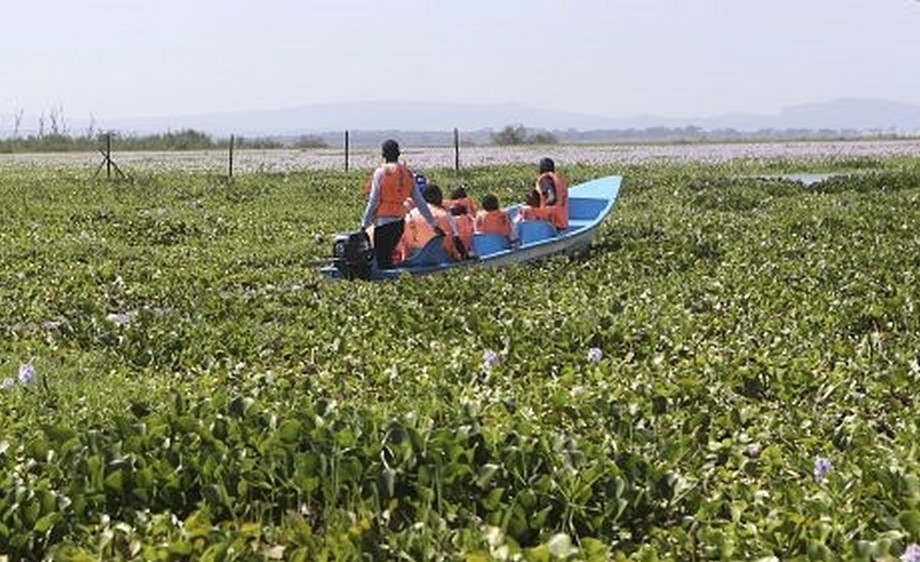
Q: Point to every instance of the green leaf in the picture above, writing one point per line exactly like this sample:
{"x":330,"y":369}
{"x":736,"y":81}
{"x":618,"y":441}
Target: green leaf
{"x":539,"y":553}
{"x":595,"y":550}
{"x":493,"y":499}
{"x":47,"y":521}
{"x":251,"y":529}
{"x":485,"y":474}
{"x":910,"y":522}
{"x":289,"y":432}
{"x":180,"y":548}
{"x":350,"y":469}
{"x":114,"y":481}
{"x":72,"y":553}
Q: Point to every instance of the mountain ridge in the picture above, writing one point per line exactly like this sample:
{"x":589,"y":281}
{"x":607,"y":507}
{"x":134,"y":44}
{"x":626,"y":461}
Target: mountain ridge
{"x":861,"y":114}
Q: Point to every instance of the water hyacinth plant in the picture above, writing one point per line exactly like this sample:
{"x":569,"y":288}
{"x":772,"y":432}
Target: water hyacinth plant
{"x":742,"y":327}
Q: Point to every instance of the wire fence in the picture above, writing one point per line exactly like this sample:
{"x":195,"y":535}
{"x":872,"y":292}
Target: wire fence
{"x":229,"y":159}
{"x":48,"y":147}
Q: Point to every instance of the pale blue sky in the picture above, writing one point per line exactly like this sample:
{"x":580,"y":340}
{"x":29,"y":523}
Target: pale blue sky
{"x":118,"y":58}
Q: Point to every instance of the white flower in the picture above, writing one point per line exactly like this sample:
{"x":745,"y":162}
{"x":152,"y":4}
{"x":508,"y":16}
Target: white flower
{"x":27,"y":374}
{"x":823,"y":467}
{"x":490,"y":359}
{"x":595,"y":355}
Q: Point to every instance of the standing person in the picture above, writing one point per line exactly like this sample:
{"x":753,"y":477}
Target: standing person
{"x":551,"y":191}
{"x":391,"y":184}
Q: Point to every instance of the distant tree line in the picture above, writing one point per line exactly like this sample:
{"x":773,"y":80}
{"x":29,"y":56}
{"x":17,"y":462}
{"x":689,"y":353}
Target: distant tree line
{"x":518,"y":134}
{"x":53,"y":135}
{"x":698,"y":134}
{"x":512,"y":135}
{"x":189,"y":139}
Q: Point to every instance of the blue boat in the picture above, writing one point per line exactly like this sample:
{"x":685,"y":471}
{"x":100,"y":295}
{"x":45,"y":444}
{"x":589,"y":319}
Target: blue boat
{"x":589,"y":205}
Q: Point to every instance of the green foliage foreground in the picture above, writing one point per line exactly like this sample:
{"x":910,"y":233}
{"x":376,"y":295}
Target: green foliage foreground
{"x":192,"y":389}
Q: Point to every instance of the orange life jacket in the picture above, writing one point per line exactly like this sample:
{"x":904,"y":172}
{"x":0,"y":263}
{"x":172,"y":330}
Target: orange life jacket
{"x":493,"y":222}
{"x":466,"y":226}
{"x":465,"y":201}
{"x":418,"y":232}
{"x":558,"y":213}
{"x":396,"y":186}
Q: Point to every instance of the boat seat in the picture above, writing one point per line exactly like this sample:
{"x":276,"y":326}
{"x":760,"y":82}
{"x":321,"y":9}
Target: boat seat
{"x":535,"y":231}
{"x":432,"y":254}
{"x":585,"y":208}
{"x":489,"y":243}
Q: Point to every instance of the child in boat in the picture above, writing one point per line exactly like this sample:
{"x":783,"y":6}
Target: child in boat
{"x":492,"y":219}
{"x":459,"y":196}
{"x":465,"y":224}
{"x":418,"y":232}
{"x":528,"y":211}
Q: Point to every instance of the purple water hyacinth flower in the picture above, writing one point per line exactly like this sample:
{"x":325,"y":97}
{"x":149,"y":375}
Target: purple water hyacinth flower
{"x":911,"y":553}
{"x":7,"y":383}
{"x":27,"y":374}
{"x":490,"y":359}
{"x":823,"y":467}
{"x":595,"y":355}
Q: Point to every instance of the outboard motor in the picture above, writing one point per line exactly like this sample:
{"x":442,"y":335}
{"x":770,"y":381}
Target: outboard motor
{"x":353,"y":255}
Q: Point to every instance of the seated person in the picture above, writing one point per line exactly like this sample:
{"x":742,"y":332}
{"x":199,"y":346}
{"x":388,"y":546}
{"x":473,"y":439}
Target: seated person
{"x":465,"y":225}
{"x":421,"y":182}
{"x":492,"y":219}
{"x":527,"y":211}
{"x":549,"y":199}
{"x":459,"y":196}
{"x":418,"y":232}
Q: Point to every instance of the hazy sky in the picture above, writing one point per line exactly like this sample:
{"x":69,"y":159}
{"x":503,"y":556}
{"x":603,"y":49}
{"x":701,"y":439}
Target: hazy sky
{"x":120,"y":58}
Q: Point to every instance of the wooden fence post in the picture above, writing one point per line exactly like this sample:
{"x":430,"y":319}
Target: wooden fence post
{"x":232,"y":139}
{"x":107,"y":160}
{"x":108,"y":156}
{"x":456,"y":150}
{"x":346,"y":150}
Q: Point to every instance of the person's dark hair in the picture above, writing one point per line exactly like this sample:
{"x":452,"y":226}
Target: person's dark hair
{"x":458,"y":210}
{"x":533,"y":198}
{"x":433,"y":195}
{"x":458,"y":193}
{"x":390,"y":150}
{"x":547,"y":165}
{"x":490,"y":202}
